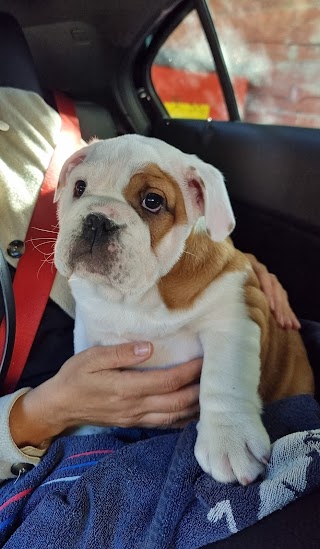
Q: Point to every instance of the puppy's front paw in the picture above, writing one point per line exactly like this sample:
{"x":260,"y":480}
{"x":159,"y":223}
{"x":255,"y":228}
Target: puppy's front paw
{"x":233,"y":452}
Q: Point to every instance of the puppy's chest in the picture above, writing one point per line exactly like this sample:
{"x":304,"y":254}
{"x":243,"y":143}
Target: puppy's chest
{"x":174,"y":338}
{"x":175,"y":334}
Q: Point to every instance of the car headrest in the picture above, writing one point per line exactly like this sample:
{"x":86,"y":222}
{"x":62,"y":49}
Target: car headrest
{"x":17,"y":69}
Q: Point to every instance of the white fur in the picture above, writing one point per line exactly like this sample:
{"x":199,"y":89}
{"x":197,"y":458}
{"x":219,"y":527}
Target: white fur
{"x":232,"y":443}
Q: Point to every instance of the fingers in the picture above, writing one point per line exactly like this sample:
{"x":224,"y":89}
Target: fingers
{"x":282,"y":310}
{"x":174,"y":403}
{"x":161,"y":381}
{"x":174,"y":409}
{"x":264,"y":278}
{"x":295,"y":324}
{"x":167,"y":410}
{"x":276,"y":295}
{"x":119,"y":356}
{"x":170,"y":420}
{"x":99,"y":387}
{"x":267,"y":286}
{"x":128,"y":354}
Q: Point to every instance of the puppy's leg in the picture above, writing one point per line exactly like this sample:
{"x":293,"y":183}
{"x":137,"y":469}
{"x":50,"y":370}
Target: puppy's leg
{"x":232,"y":443}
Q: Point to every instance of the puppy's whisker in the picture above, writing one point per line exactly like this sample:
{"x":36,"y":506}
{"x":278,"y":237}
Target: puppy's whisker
{"x":44,"y":261}
{"x":189,"y":253}
{"x":43,"y":238}
{"x":47,"y":230}
{"x":45,"y":254}
{"x":47,"y":259}
{"x":46,"y":241}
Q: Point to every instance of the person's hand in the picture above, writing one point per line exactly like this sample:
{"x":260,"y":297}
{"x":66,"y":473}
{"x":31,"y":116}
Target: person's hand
{"x":276,"y":295}
{"x":99,"y":387}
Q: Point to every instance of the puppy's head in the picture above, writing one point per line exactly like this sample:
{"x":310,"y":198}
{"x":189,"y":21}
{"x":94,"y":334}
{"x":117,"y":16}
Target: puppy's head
{"x":127,"y":206}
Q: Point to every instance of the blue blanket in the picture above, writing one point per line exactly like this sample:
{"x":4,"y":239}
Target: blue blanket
{"x":143,"y":489}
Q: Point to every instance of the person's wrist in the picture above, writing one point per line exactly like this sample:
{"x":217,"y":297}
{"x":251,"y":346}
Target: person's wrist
{"x":35,"y":419}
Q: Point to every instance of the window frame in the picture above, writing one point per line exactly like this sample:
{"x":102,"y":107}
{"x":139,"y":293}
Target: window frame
{"x":147,"y":94}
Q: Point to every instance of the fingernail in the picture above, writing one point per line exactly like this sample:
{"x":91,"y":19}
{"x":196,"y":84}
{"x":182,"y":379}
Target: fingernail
{"x":272,"y":305}
{"x":141,"y":348}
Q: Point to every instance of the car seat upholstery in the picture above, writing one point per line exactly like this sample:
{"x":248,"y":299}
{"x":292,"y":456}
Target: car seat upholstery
{"x":95,"y":121}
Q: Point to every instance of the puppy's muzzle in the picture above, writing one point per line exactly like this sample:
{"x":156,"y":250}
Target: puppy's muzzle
{"x":98,"y":228}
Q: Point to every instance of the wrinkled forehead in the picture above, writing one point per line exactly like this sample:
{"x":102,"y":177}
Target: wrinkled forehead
{"x":114,"y":162}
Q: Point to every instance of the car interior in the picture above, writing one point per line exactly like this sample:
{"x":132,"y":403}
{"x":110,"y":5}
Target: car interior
{"x":100,"y":54}
{"x":102,"y":62}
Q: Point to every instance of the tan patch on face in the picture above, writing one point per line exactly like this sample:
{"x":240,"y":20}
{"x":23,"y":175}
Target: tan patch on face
{"x":285,"y":368}
{"x":154,"y":180}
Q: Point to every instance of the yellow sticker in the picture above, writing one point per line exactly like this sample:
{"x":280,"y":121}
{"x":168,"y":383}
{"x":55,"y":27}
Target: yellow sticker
{"x":199,"y":111}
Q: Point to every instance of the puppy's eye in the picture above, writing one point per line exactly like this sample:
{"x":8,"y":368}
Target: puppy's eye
{"x":79,"y":188}
{"x":153,"y":202}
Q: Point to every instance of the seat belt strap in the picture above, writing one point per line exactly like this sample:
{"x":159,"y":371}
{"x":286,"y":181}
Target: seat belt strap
{"x":35,"y":272}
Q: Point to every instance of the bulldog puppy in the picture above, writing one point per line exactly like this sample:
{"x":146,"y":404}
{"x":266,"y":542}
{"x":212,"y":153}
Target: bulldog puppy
{"x":144,"y":243}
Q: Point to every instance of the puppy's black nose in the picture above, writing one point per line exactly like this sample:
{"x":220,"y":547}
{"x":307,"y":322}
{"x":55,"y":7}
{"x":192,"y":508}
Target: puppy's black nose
{"x":99,"y":223}
{"x":98,"y":228}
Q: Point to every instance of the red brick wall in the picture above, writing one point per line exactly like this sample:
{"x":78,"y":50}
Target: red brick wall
{"x":282,"y":49}
{"x":275,"y":45}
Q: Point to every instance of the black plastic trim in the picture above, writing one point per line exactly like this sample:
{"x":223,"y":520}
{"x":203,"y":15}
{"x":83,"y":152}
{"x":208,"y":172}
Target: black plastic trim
{"x":213,"y":40}
{"x":9,"y":317}
{"x":149,"y":98}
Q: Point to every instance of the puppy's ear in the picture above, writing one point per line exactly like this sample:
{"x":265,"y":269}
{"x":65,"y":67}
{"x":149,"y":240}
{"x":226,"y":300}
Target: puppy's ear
{"x":73,"y":161}
{"x":210,"y":199}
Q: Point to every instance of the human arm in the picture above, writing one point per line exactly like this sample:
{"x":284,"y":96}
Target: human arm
{"x":98,"y":387}
{"x":10,"y":454}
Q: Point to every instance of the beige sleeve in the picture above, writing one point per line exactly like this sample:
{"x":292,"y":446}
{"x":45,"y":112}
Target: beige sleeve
{"x":10,"y":454}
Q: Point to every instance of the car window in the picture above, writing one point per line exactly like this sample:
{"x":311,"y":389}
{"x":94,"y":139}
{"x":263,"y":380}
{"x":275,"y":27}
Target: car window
{"x":271,"y":48}
{"x":184,"y":75}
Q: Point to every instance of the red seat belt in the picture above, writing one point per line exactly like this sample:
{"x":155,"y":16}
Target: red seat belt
{"x":34,"y":277}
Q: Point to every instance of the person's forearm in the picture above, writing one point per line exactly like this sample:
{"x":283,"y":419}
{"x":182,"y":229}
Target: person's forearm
{"x":33,"y":419}
{"x":10,"y":454}
{"x":99,"y":387}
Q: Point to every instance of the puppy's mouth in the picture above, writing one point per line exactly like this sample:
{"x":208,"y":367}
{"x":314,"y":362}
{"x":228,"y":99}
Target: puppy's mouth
{"x":97,"y":248}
